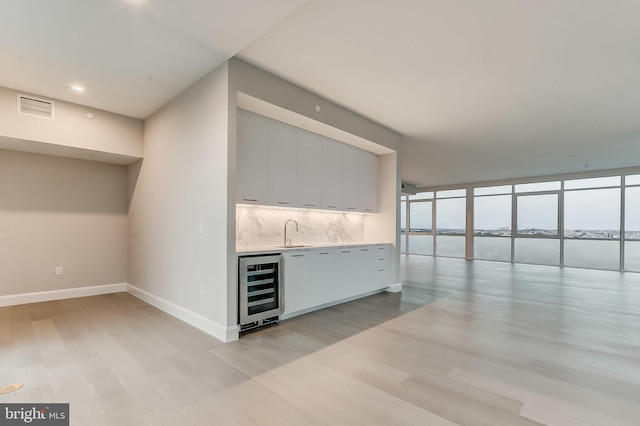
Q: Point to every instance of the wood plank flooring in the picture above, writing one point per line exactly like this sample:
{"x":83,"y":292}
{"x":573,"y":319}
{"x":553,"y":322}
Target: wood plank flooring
{"x":467,"y":343}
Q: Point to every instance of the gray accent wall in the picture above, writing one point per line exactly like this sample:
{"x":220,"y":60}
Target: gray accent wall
{"x":61,"y":212}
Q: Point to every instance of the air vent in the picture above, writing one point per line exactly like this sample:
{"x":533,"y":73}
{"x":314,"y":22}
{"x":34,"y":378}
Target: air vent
{"x":35,"y":107}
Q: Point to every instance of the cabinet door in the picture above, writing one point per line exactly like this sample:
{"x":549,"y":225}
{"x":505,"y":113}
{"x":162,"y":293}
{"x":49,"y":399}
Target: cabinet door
{"x":348,"y":273}
{"x":365,"y":266}
{"x":351,"y":165}
{"x":297,"y":281}
{"x":368,"y":183}
{"x":253,"y":165}
{"x":323,"y":273}
{"x":331,"y":175}
{"x":309,"y":193}
{"x":283,"y":165}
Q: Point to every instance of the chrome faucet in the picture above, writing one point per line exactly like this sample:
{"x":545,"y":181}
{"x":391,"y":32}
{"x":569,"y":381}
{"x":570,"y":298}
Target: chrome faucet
{"x":287,"y":244}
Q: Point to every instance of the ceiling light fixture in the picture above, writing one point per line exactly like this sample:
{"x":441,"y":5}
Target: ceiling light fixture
{"x":77,"y":89}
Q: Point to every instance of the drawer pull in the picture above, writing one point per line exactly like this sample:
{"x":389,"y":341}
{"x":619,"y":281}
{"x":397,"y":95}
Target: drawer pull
{"x":323,"y":253}
{"x":250,"y":199}
{"x":297,"y":255}
{"x":346,"y":251}
{"x":283,"y":203}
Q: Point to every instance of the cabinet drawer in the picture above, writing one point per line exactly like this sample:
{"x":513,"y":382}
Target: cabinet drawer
{"x":381,"y":262}
{"x":380,"y":277}
{"x":382,"y":251}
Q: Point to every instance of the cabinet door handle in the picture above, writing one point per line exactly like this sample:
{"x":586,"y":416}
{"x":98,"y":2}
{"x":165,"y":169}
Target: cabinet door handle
{"x":332,"y":207}
{"x":364,"y":249}
{"x":283,"y":203}
{"x":297,"y":255}
{"x":323,"y":253}
{"x":368,"y":210}
{"x":382,"y":258}
{"x":351,"y":208}
{"x":309,"y":205}
{"x":250,"y":199}
{"x":347,"y":251}
{"x":380,"y":270}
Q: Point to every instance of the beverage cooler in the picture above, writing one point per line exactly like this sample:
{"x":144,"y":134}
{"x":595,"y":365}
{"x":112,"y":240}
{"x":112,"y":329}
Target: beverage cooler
{"x":260,"y":290}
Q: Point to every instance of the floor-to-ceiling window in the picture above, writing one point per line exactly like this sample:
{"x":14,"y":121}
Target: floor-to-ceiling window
{"x":451,"y":213}
{"x":632,"y":223}
{"x":592,"y":223}
{"x":537,"y":222}
{"x":419,"y":223}
{"x":492,"y":223}
{"x":585,"y":220}
{"x":403,"y":224}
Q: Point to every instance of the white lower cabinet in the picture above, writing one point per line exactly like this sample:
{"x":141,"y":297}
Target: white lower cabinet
{"x":380,"y":265}
{"x":323,"y":276}
{"x":297,"y":283}
{"x":347,"y":273}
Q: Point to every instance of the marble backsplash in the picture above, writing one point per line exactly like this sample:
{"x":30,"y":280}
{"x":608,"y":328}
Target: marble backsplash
{"x":264,"y":226}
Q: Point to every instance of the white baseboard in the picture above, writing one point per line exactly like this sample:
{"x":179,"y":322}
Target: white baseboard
{"x":395,"y":288}
{"x":217,"y":330}
{"x":67,"y":293}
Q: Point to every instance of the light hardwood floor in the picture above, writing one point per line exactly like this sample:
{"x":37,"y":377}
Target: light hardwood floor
{"x":475,"y":343}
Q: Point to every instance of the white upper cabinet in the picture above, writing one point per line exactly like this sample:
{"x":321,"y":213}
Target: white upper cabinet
{"x":309,"y":193}
{"x":351,"y":178}
{"x":368,"y":183}
{"x":253,"y":165}
{"x":331,"y":175}
{"x":283,"y":165}
{"x":359,"y":180}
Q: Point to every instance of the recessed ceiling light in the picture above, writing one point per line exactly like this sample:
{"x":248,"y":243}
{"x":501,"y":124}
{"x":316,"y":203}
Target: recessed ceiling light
{"x":77,"y":89}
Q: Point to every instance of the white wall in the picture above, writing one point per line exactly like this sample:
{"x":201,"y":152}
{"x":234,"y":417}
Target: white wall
{"x":376,"y":226}
{"x":178,"y":214}
{"x":106,"y":132}
{"x":60,"y":212}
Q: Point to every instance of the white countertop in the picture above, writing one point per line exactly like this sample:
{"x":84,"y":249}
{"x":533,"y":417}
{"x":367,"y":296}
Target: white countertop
{"x":280,"y":249}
